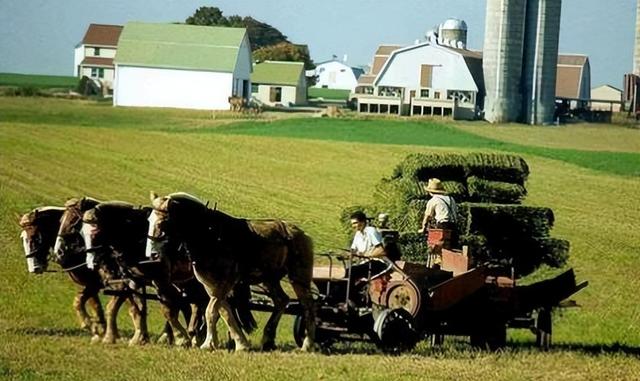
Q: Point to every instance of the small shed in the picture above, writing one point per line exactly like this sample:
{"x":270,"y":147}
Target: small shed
{"x":181,"y":66}
{"x":279,"y":83}
{"x":606,"y":93}
{"x":335,"y":74}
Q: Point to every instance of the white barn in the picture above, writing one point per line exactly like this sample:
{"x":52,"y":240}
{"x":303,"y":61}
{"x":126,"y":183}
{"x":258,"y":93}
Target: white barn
{"x":425,"y":79}
{"x":181,"y":66}
{"x":335,"y":74}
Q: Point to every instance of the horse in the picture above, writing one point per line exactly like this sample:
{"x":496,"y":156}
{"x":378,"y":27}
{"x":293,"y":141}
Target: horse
{"x":40,"y":229}
{"x":226,"y":250}
{"x":70,"y":247}
{"x":115,"y":236}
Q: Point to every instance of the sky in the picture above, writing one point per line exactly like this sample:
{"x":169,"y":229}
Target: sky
{"x":39,"y":36}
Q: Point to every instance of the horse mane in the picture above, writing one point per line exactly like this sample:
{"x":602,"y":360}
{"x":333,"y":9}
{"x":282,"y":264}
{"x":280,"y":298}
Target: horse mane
{"x":39,"y":212}
{"x":180,"y":196}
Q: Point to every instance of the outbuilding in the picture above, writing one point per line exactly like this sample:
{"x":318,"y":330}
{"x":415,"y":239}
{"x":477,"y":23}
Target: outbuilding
{"x":279,"y":83}
{"x":334,"y":74}
{"x":181,"y":66}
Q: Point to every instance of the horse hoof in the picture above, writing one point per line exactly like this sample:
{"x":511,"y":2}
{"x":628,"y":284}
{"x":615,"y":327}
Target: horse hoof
{"x":95,"y":339}
{"x":164,"y":339}
{"x":183,"y":343}
{"x":242,"y":347}
{"x":268,"y":347}
{"x":109,"y":340}
{"x":207,"y":347}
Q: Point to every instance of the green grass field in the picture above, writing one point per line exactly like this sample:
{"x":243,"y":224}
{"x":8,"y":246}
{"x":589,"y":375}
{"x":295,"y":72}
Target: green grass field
{"x":337,"y":94}
{"x":306,"y":171}
{"x":37,"y":81}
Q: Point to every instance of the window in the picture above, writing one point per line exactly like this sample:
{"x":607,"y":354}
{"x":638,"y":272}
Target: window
{"x":321,"y":70}
{"x":255,"y":87}
{"x":96,"y":51}
{"x":436,"y":94}
{"x":424,"y":93}
{"x":276,"y":94}
{"x":97,"y":72}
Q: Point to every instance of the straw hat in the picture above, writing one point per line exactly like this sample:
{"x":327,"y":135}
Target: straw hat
{"x":435,"y":186}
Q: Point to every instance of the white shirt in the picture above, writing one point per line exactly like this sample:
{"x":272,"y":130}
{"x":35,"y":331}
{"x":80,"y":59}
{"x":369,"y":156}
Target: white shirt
{"x":442,"y":208}
{"x":366,"y":240}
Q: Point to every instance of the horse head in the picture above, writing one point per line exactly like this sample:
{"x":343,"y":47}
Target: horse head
{"x":113,"y":228}
{"x":39,"y":228}
{"x":69,"y":240}
{"x":170,"y":222}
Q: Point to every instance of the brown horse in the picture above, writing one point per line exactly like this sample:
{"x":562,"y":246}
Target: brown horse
{"x":227,"y":250}
{"x":115,"y":235}
{"x":40,"y":228}
{"x":70,"y":244}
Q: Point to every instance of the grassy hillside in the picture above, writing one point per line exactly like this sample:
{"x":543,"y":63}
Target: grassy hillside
{"x":306,"y":171}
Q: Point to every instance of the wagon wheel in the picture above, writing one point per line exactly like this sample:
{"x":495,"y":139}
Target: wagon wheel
{"x":403,"y":294}
{"x":322,"y":338}
{"x":543,"y":329}
{"x":395,"y":330}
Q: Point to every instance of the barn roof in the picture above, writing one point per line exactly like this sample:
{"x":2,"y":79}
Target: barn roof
{"x":102,"y":35}
{"x":179,"y":46}
{"x":277,"y":73}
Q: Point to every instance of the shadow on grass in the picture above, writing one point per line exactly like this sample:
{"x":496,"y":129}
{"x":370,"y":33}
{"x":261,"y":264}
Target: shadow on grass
{"x":589,"y":349}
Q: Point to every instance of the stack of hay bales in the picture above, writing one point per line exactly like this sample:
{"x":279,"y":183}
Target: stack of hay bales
{"x":489,"y":189}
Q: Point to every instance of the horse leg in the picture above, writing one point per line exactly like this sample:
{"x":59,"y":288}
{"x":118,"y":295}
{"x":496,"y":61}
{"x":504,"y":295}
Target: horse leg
{"x":98,"y":323}
{"x":302,"y":290}
{"x":111,"y":332}
{"x":194,"y":323}
{"x":242,"y":344}
{"x":170,"y":306}
{"x":167,"y":335}
{"x":79,"y":306}
{"x":211,"y":318}
{"x":280,"y":300}
{"x":139,"y":318}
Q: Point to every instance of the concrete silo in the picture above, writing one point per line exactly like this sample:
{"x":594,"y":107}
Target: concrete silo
{"x":502,"y":59}
{"x":542,"y":32}
{"x":453,"y":30}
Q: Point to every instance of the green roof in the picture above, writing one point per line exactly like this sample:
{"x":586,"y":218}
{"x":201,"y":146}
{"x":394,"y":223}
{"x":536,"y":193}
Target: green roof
{"x":277,"y":73}
{"x":179,"y":46}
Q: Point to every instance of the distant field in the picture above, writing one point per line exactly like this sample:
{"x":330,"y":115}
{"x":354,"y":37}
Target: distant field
{"x":315,"y":92}
{"x":306,"y":171}
{"x":39,"y":81}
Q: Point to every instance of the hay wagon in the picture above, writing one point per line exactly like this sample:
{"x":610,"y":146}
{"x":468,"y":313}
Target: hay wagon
{"x":399,"y":303}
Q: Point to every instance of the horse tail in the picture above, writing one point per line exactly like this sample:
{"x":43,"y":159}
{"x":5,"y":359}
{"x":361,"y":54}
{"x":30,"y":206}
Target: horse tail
{"x":239,"y":302}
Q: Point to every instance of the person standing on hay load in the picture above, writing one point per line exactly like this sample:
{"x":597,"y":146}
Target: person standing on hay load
{"x":440,"y":213}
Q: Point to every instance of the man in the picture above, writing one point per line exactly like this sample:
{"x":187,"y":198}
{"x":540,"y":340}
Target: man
{"x":441,"y":209}
{"x":367,"y":240}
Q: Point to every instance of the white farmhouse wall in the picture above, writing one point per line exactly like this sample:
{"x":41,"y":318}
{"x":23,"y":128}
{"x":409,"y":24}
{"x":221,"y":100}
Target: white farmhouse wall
{"x":289,"y":95}
{"x":335,"y":75}
{"x":78,"y":56}
{"x":190,"y":89}
{"x":449,"y":69}
{"x":104,"y":52}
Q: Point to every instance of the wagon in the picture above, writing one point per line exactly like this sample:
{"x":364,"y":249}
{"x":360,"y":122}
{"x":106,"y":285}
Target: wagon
{"x":399,"y":303}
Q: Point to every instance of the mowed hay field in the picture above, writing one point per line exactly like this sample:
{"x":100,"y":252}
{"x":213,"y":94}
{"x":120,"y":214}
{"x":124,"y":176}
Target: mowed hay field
{"x":306,"y":171}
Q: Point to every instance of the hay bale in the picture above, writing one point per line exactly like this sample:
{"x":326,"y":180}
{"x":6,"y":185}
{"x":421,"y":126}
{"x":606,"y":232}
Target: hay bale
{"x":413,"y":246}
{"x":422,"y":167}
{"x":498,"y":221}
{"x":497,"y":167}
{"x":481,"y":190}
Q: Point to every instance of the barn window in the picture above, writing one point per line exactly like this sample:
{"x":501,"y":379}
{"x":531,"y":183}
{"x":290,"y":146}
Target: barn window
{"x":96,"y":51}
{"x":276,"y":94}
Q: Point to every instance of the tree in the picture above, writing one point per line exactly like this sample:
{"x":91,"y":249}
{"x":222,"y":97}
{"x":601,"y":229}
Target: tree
{"x":210,"y":16}
{"x":285,"y":51}
{"x":260,"y":34}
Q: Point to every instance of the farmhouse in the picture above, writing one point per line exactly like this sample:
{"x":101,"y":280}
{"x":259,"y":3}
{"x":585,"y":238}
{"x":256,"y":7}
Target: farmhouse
{"x":93,"y":56}
{"x":335,"y":74}
{"x":181,"y":66}
{"x":279,"y":83}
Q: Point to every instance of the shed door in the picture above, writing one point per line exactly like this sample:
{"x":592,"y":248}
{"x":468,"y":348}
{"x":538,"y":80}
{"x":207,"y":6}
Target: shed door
{"x":426,"y":73}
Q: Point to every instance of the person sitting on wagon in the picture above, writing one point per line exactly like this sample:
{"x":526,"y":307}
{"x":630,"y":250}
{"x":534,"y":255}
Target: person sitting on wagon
{"x":441,"y":210}
{"x":367,"y":242}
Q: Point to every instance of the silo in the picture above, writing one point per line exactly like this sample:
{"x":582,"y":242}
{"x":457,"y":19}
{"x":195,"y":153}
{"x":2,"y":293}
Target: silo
{"x":502,"y":59}
{"x":542,"y":33}
{"x":636,"y":57}
{"x":454,"y":30}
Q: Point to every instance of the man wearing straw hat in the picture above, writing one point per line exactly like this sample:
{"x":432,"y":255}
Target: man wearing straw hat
{"x":441,"y":209}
